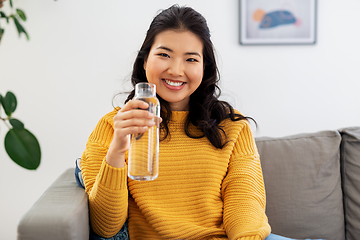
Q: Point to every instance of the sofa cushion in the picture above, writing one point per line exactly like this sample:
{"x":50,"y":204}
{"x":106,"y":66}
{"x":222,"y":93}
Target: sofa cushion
{"x":350,"y":167}
{"x":303,"y":185}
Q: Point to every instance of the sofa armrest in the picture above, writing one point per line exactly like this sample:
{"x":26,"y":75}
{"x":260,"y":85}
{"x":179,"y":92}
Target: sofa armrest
{"x":60,"y":213}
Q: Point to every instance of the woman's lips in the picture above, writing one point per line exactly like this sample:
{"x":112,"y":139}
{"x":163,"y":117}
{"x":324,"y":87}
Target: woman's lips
{"x":174,"y":84}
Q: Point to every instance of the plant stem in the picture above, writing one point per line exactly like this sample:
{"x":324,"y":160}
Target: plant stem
{"x":4,"y":119}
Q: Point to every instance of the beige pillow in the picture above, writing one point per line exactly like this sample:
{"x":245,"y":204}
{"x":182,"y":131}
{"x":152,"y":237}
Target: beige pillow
{"x":303,"y":185}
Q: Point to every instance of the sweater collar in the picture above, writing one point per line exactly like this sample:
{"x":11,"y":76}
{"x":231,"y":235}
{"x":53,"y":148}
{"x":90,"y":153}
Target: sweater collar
{"x":179,"y":116}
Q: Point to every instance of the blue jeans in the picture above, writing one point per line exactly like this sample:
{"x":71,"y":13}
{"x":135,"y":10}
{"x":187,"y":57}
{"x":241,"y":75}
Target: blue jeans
{"x":123,"y":234}
{"x":278,"y":237}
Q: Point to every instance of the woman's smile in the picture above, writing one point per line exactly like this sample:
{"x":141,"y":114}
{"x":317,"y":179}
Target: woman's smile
{"x":174,"y":84}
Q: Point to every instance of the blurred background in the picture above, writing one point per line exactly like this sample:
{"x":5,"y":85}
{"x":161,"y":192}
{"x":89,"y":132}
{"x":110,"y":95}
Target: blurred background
{"x":80,"y":55}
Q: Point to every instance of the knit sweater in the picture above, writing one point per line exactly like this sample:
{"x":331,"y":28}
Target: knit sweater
{"x":202,"y":192}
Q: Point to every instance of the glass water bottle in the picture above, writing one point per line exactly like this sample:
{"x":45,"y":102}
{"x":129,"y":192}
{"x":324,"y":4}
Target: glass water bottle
{"x":143,"y":160}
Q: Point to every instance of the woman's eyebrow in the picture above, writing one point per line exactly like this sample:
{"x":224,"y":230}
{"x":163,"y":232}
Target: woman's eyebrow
{"x":188,"y":53}
{"x":193,"y":53}
{"x":165,"y":48}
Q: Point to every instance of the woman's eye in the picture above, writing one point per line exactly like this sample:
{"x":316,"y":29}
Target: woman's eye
{"x":163,"y":55}
{"x":192,"y":60}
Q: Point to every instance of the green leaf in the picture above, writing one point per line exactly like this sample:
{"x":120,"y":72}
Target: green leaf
{"x":23,"y":148}
{"x":16,"y":123}
{"x":2,"y":14}
{"x":19,"y":27}
{"x":1,"y":32}
{"x":1,"y":97}
{"x":21,"y":14}
{"x":9,"y":103}
{"x":11,"y":5}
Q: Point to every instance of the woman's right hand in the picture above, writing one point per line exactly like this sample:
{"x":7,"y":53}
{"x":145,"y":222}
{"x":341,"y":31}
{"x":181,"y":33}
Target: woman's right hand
{"x":131,"y":119}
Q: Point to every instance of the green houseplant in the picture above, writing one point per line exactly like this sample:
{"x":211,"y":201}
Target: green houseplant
{"x":20,"y":144}
{"x":16,"y":16}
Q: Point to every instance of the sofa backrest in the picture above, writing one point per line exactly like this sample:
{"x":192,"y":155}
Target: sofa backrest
{"x":350,"y":169}
{"x":303,"y":185}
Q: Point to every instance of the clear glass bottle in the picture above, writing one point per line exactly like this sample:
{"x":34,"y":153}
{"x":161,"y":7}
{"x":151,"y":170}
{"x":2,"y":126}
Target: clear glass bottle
{"x":143,"y":159}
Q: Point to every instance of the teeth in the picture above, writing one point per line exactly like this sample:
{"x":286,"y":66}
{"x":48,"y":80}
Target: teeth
{"x":174,"y":84}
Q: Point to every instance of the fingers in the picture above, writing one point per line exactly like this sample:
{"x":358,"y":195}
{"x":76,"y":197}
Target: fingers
{"x":133,"y":126}
{"x":134,"y":109}
{"x":132,"y":118}
{"x":157,"y":120}
{"x":134,"y":113}
{"x":133,"y":104}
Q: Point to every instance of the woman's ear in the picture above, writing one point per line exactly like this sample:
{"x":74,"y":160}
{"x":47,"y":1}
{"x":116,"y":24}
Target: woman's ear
{"x":145,"y":64}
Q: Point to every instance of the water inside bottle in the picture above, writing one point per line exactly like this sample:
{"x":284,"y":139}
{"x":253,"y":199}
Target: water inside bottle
{"x":143,"y":161}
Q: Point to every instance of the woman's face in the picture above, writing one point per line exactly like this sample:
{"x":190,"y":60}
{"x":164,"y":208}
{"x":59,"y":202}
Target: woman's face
{"x":175,"y":65}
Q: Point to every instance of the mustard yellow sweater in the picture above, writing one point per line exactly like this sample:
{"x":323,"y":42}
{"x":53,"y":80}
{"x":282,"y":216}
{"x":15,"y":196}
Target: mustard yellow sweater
{"x":201,"y":193}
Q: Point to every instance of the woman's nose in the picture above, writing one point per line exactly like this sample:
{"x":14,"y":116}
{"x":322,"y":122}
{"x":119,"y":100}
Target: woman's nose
{"x":176,"y":68}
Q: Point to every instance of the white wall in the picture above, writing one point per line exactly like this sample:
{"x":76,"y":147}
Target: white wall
{"x":81,"y":51}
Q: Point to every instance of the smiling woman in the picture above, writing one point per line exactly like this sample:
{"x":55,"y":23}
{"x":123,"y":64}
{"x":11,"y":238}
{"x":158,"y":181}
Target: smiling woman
{"x":175,"y":65}
{"x":208,"y":164}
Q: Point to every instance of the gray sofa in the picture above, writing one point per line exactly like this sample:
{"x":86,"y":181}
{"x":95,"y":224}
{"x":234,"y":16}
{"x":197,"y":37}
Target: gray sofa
{"x":312,"y":185}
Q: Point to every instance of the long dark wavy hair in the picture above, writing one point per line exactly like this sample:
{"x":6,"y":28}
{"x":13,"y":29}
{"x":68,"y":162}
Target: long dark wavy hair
{"x":205,"y":111}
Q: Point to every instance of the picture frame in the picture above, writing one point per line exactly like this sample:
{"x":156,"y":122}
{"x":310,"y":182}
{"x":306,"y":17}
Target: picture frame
{"x":277,"y":22}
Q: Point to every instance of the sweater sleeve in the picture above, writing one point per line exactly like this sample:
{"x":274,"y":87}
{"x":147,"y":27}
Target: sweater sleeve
{"x":243,"y":191}
{"x":105,"y":185}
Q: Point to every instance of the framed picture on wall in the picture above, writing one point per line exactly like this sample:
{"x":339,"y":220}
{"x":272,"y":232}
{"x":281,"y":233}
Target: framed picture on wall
{"x":265,"y":22}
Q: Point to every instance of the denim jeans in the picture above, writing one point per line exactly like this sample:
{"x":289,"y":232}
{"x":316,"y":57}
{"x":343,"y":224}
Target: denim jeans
{"x":123,"y":234}
{"x":278,"y":237}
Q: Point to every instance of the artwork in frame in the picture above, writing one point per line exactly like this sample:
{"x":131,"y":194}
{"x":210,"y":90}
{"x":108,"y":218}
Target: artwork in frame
{"x":264,"y":22}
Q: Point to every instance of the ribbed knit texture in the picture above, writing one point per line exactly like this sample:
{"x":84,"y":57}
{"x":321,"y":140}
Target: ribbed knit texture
{"x":201,"y":193}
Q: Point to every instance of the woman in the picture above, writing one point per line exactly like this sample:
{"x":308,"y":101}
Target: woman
{"x":210,"y":183}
